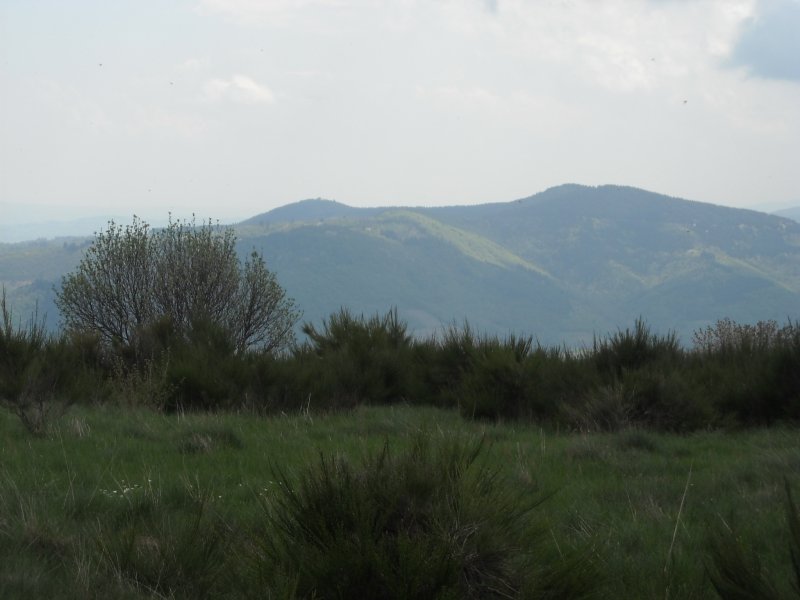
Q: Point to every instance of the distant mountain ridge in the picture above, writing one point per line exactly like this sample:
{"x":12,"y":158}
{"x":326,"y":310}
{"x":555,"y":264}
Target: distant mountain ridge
{"x":789,"y":213}
{"x":561,"y":265}
{"x":308,"y":211}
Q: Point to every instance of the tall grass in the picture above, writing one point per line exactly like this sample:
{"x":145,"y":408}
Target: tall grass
{"x":121,"y":502}
{"x":427,"y":523}
{"x":737,"y":573}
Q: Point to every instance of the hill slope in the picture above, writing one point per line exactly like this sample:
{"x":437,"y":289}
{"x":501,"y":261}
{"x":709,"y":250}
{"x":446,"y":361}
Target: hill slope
{"x":789,"y":213}
{"x":561,"y":265}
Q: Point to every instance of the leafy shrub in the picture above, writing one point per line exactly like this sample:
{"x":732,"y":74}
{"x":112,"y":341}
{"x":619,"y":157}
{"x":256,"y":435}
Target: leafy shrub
{"x":482,"y":375}
{"x":728,"y":337}
{"x":280,"y":384}
{"x":430,"y":523}
{"x":515,"y":379}
{"x":663,"y":399}
{"x":38,"y":374}
{"x":356,"y":359}
{"x":605,"y":408}
{"x":633,"y":349}
{"x":494,"y":385}
{"x":556,"y":380}
{"x":196,"y":369}
{"x":131,"y":277}
{"x":653,"y":398}
{"x":144,"y":384}
{"x":750,"y":373}
{"x":444,"y":362}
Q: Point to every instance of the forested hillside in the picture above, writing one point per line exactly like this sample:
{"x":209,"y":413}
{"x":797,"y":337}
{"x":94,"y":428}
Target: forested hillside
{"x":559,"y":265}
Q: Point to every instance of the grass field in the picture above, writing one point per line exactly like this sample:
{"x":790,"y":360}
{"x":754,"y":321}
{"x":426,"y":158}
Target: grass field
{"x":126,"y":503}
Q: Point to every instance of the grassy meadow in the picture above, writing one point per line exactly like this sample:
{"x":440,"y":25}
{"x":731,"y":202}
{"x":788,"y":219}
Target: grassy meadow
{"x":369,"y":463}
{"x":132,"y":503}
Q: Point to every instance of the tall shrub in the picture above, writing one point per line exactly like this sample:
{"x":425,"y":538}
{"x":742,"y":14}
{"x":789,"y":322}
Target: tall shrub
{"x":34,"y":369}
{"x":353,"y":359}
{"x":751,"y":373}
{"x":632,"y":349}
{"x":132,"y":276}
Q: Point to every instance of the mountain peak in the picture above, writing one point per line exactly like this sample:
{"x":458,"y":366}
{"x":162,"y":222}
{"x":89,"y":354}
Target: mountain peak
{"x":312,"y":209}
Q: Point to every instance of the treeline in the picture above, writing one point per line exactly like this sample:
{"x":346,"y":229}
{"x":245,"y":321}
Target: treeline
{"x":733,"y":375}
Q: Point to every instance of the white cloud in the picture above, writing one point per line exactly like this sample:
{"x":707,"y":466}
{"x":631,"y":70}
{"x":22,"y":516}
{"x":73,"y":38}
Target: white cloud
{"x":622,"y":45}
{"x":431,"y":99}
{"x":769,"y":45}
{"x":240,"y":89}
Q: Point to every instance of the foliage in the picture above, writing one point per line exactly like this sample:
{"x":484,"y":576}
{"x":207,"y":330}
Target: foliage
{"x":132,"y":276}
{"x":633,"y":349}
{"x":728,"y":337}
{"x":610,"y":250}
{"x":430,"y":523}
{"x":751,"y":373}
{"x":33,"y":370}
{"x":352,"y":359}
{"x":445,"y":361}
{"x":658,"y":398}
{"x":736,"y":375}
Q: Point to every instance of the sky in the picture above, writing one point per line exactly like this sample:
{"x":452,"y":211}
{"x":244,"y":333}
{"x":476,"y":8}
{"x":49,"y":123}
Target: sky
{"x":228,"y":108}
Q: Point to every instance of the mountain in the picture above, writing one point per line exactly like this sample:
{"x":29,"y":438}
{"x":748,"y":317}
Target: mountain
{"x":561,"y":265}
{"x":11,"y":232}
{"x":789,"y":213}
{"x":308,"y":211}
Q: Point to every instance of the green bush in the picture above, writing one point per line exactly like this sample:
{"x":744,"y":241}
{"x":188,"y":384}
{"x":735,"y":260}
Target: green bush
{"x":354,"y":360}
{"x":428,"y":523}
{"x":557,"y":380}
{"x":481,"y":375}
{"x":205,"y":373}
{"x":494,"y":385}
{"x":653,"y":398}
{"x":633,"y":349}
{"x":39,"y":375}
{"x":751,"y":373}
{"x":130,"y":277}
{"x":726,"y":337}
{"x":750,"y":380}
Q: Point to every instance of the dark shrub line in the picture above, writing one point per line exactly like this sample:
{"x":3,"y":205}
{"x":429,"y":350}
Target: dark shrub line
{"x":735,"y":375}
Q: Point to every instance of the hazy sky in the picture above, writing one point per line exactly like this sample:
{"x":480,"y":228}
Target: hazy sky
{"x":228,"y":108}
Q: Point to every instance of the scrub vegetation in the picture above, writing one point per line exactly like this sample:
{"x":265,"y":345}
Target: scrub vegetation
{"x":173,"y":454}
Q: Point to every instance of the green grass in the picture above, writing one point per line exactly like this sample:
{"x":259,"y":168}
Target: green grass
{"x":127,"y":503}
